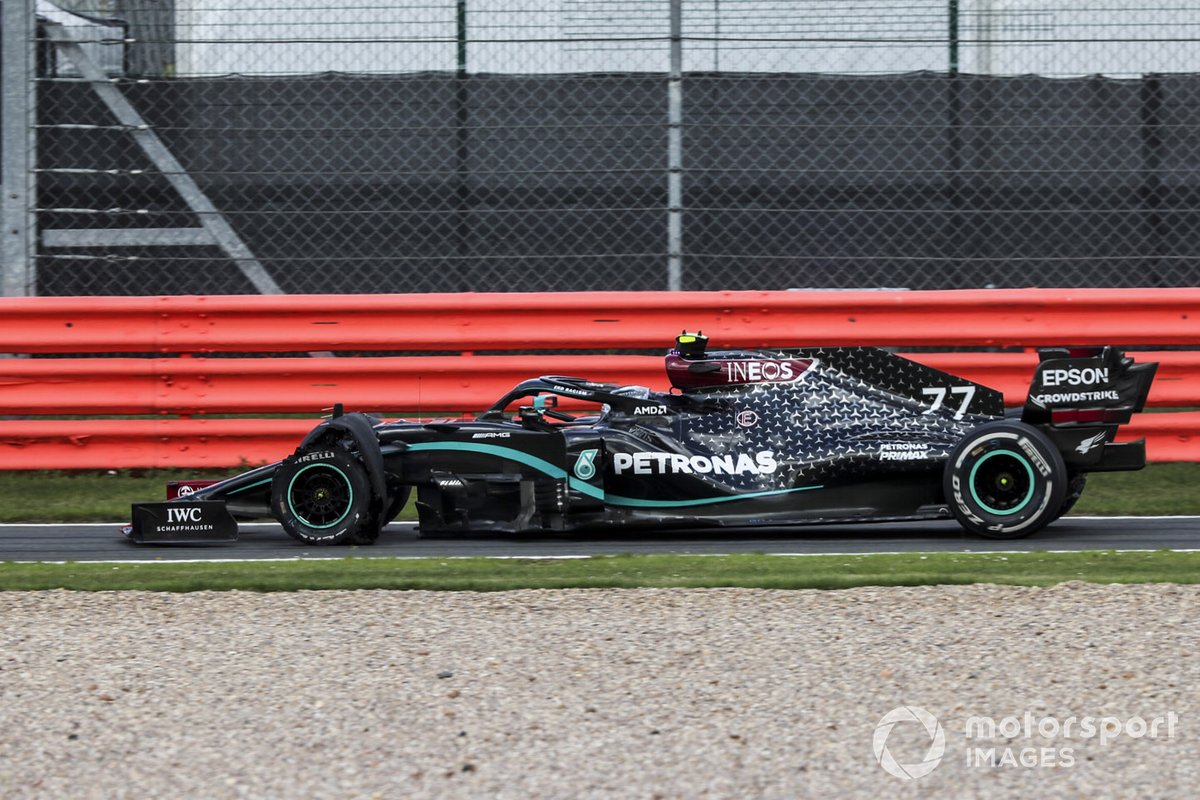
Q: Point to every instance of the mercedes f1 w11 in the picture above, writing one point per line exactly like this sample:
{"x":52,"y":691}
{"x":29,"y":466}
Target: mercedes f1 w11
{"x":811,"y":436}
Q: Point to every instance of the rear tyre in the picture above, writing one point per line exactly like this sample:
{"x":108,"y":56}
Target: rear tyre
{"x":1075,"y":488}
{"x":1005,"y":480}
{"x":322,"y":496}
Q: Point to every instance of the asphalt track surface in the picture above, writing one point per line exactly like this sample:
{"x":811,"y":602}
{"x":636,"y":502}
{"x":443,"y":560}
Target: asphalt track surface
{"x":103,"y":542}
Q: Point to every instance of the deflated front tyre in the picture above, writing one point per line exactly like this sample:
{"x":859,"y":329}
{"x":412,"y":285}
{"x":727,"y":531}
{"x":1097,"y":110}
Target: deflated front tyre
{"x":322,"y":496}
{"x":1005,"y":480}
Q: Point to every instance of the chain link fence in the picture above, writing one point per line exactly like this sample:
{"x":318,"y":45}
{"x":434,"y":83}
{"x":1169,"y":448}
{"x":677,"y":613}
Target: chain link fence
{"x":210,"y":146}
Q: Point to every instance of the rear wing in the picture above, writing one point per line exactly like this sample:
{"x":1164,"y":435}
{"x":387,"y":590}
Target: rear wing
{"x":1087,"y":386}
{"x":1080,"y":396}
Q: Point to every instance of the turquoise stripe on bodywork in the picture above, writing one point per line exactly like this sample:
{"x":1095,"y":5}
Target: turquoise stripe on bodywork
{"x":629,"y":501}
{"x":586,"y":488}
{"x":241,"y":489}
{"x":539,"y":464}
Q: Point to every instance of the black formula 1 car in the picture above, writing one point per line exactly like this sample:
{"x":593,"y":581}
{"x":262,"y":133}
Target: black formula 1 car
{"x":812,"y":436}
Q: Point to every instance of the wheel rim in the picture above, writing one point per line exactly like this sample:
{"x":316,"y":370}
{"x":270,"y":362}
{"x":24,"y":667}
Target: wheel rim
{"x":1002,"y":482}
{"x":320,"y":495}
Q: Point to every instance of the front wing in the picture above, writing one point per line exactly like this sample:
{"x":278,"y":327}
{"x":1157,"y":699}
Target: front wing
{"x":182,"y":521}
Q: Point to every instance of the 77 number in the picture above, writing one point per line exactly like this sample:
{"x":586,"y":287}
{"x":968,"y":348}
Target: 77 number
{"x":938,"y":393}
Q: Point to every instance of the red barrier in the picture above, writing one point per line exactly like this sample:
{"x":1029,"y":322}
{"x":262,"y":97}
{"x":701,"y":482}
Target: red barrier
{"x":1169,"y":437}
{"x":107,"y":443}
{"x":101,"y":444}
{"x":291,"y":385}
{"x":468,"y":323}
{"x":442,"y":383}
{"x":596,"y":320}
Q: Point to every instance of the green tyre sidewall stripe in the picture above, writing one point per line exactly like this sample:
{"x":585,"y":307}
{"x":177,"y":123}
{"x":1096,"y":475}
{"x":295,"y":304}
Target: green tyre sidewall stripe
{"x":1028,"y":446}
{"x":300,"y":517}
{"x":1024,"y":462}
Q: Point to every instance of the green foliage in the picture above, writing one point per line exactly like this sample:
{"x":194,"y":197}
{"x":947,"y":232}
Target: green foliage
{"x":623,"y":571}
{"x":1157,"y":489}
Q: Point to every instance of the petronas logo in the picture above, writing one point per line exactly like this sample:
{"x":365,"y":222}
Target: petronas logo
{"x":585,"y":465}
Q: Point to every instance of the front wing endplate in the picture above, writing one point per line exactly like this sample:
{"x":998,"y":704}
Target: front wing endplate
{"x":183,"y":521}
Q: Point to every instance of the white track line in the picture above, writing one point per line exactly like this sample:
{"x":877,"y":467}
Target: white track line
{"x":798,"y":527}
{"x":608,"y":555}
{"x":270,"y":526}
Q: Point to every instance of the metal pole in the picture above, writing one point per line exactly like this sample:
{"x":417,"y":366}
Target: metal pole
{"x":952,"y":14}
{"x":460,"y":37}
{"x":462,"y":149}
{"x":985,"y":35}
{"x":18,"y":273}
{"x":955,"y":151}
{"x":716,"y":35}
{"x":675,"y":152}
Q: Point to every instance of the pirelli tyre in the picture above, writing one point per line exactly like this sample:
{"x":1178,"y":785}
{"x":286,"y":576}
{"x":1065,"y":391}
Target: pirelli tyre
{"x":1005,"y":480}
{"x":322,"y":496}
{"x":1075,"y":486}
